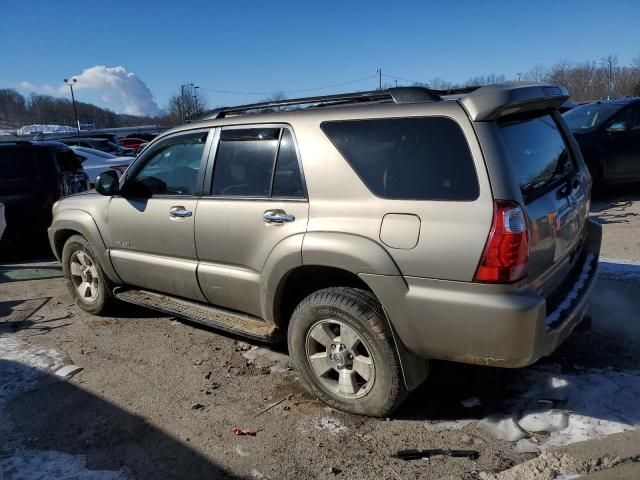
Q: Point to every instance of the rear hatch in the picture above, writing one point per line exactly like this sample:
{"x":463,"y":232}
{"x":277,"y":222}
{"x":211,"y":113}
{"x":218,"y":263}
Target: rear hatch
{"x":73,"y":177}
{"x":556,"y":192}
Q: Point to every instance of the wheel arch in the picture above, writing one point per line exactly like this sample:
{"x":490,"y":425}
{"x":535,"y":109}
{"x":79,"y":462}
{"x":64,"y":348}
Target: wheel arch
{"x":78,"y":222}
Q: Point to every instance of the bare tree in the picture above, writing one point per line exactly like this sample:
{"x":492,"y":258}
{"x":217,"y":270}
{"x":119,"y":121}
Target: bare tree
{"x":187,"y":104}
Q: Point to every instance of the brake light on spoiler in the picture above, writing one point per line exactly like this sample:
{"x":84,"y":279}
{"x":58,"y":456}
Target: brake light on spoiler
{"x":506,"y":253}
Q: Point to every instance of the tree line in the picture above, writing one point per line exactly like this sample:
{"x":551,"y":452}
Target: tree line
{"x":590,"y":80}
{"x":17,"y":110}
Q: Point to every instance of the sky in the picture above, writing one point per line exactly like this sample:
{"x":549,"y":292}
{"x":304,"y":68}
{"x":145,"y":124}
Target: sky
{"x":132,"y":56}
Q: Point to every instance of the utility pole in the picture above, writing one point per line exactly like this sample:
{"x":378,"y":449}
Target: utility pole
{"x":519,"y":76}
{"x":396,"y":83}
{"x":182,"y":102}
{"x":379,"y":72}
{"x":73,"y":100}
{"x":609,"y":63}
{"x":195,"y":99}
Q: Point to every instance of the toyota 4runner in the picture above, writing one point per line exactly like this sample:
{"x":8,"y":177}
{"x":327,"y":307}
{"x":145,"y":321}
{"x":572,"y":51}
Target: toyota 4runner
{"x":376,"y":230}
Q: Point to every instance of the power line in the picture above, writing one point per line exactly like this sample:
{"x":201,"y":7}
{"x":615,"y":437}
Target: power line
{"x":401,"y":79}
{"x":232,"y":92}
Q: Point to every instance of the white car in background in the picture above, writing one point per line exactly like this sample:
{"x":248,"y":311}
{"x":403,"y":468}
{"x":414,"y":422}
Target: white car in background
{"x":94,"y":162}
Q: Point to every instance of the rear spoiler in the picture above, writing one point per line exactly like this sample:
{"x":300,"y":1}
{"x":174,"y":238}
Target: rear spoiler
{"x":495,"y":101}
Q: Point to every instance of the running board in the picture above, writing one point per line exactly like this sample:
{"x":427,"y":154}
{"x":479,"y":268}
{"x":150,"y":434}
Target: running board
{"x":218,"y":318}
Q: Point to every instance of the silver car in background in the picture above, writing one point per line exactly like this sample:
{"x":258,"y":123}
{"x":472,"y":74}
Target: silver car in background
{"x":94,"y":162}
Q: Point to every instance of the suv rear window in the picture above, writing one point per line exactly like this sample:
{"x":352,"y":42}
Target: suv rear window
{"x":538,"y":152}
{"x":422,"y":158}
{"x":17,"y":163}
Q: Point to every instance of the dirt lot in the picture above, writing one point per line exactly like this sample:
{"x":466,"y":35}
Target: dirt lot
{"x":158,"y":399}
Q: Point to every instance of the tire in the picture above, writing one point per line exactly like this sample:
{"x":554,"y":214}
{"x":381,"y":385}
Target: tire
{"x":334,"y":315}
{"x":97,"y":298}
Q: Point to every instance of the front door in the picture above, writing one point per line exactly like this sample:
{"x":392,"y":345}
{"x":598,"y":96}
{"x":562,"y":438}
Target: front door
{"x":257,"y":202}
{"x":151,"y":225}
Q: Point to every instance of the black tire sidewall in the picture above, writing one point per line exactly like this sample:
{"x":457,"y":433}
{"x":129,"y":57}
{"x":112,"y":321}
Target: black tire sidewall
{"x":72,"y":245}
{"x":384,"y":395}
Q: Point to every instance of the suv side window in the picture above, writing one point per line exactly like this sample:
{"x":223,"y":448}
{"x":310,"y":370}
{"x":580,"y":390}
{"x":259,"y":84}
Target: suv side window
{"x":173,"y":168}
{"x":421,"y":158}
{"x":257,"y":163}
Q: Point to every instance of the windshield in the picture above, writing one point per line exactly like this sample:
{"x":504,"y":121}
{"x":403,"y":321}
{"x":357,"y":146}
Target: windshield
{"x":589,"y":116}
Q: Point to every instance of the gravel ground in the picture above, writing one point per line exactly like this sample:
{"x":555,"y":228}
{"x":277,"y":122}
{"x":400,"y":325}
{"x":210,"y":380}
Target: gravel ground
{"x":158,"y":399}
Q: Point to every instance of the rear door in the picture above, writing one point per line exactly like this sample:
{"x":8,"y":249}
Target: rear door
{"x":256,"y":200}
{"x":554,"y":187}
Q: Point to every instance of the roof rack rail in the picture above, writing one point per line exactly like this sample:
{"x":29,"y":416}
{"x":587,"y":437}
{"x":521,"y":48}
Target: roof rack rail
{"x":397,"y":95}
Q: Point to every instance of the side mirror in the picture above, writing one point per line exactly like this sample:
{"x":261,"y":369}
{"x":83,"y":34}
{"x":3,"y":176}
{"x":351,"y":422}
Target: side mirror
{"x":108,"y":183}
{"x":617,"y":127}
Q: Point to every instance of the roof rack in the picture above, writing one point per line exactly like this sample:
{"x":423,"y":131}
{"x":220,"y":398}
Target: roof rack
{"x":396,"y":95}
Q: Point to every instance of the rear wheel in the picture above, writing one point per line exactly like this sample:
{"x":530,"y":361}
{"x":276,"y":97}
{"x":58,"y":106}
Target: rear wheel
{"x":344,"y":352}
{"x":84,"y":277}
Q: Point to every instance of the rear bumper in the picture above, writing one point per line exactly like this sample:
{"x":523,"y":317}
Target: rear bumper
{"x":484,"y":324}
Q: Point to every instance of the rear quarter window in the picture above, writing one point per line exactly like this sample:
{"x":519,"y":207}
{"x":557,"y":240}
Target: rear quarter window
{"x":424,"y":158}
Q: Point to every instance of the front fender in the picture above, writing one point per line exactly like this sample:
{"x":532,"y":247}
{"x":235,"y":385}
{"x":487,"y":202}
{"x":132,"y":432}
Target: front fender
{"x":69,"y":222}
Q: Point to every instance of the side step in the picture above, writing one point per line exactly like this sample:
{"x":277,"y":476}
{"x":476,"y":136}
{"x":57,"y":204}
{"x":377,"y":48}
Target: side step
{"x":221,"y":319}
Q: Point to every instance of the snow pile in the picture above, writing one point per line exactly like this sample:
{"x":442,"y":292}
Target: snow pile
{"x":31,"y":129}
{"x":570,"y":408}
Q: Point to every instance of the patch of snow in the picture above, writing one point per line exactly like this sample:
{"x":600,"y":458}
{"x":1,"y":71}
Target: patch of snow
{"x":544,"y":421}
{"x":22,"y":365}
{"x":264,"y":357}
{"x":330,"y":424}
{"x":36,"y":128}
{"x":68,"y":371}
{"x":502,"y":428}
{"x":240,"y":451}
{"x":51,"y":465}
{"x":618,"y":269}
{"x":256,"y":474}
{"x":566,"y":477}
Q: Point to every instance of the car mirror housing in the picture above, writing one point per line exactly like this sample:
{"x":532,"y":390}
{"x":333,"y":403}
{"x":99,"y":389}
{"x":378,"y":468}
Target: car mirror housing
{"x":108,"y":183}
{"x":617,"y":127}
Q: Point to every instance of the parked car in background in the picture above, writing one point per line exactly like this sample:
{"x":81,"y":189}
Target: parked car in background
{"x":94,"y":162}
{"x":608,"y":133}
{"x":102,"y":144}
{"x":133,"y":143}
{"x":33,"y":176}
{"x":376,"y":231}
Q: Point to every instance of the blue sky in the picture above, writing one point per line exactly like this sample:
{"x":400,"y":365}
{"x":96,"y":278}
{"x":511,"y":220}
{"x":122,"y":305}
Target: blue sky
{"x":284,"y":46}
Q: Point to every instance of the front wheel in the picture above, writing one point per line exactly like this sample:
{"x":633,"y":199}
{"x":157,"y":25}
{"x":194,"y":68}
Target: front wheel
{"x":344,"y":352}
{"x":84,"y":277}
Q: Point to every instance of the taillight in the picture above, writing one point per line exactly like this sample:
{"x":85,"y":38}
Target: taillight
{"x":506,"y":254}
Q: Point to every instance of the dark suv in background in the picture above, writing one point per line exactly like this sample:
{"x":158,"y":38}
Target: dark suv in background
{"x":608,"y":133}
{"x":33,"y":176}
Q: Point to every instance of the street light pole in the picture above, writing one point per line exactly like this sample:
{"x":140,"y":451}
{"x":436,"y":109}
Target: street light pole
{"x":73,"y":100}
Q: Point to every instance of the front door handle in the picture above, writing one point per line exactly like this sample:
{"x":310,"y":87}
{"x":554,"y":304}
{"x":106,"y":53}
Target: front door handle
{"x":180,"y":212}
{"x":277,"y":217}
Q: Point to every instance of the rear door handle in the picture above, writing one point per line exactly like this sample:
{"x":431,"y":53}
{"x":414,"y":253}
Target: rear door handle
{"x":180,"y":212}
{"x":277,"y":217}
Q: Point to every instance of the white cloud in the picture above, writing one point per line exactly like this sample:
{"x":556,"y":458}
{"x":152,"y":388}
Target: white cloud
{"x":124,"y":89}
{"x":115,"y":87}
